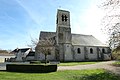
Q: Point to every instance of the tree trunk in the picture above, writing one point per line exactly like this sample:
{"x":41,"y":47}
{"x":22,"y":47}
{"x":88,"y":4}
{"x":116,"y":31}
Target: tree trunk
{"x":45,"y":58}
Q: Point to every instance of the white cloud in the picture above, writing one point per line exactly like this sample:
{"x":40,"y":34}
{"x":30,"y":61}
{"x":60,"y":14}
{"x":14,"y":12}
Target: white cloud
{"x":91,"y":23}
{"x":93,"y":20}
{"x":33,"y":13}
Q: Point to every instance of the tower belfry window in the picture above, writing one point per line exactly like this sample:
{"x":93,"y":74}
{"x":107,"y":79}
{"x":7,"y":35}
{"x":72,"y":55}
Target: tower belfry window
{"x":64,"y":18}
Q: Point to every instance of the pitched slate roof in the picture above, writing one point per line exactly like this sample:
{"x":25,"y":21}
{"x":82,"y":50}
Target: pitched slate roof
{"x":44,"y":34}
{"x":86,"y":40}
{"x":77,"y":39}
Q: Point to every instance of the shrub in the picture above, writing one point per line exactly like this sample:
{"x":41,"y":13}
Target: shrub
{"x":116,"y":53}
{"x":34,"y":68}
{"x":35,"y":62}
{"x":44,"y":61}
{"x":38,"y":62}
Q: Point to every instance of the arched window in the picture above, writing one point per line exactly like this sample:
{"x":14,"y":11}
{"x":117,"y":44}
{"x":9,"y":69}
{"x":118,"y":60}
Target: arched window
{"x":91,"y":50}
{"x":78,"y":50}
{"x":103,"y":50}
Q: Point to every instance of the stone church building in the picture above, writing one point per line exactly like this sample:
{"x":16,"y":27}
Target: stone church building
{"x":72,"y":47}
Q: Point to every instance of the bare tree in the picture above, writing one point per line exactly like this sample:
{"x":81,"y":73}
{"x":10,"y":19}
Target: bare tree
{"x":33,"y":44}
{"x":111,"y":21}
{"x":45,"y":46}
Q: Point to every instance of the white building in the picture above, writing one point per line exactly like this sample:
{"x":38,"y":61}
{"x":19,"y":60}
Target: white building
{"x":72,"y":47}
{"x":23,"y":54}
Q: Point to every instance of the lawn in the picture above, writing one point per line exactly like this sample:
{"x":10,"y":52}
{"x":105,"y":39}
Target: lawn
{"x":98,"y":74}
{"x":75,"y":63}
{"x":69,"y":63}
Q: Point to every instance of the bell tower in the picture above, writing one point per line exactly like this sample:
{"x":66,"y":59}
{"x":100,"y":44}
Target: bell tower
{"x":63,"y":33}
{"x":63,"y":18}
{"x":63,"y":27}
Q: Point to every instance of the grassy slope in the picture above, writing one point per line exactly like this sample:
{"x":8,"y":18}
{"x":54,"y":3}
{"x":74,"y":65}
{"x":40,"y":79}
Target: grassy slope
{"x":75,"y":63}
{"x":98,"y":74}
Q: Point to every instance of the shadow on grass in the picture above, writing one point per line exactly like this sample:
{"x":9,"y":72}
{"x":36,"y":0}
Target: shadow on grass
{"x":3,"y":70}
{"x":29,"y":72}
{"x":100,"y":76}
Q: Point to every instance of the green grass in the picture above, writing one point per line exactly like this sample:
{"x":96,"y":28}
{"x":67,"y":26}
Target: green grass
{"x":117,"y":63}
{"x":69,"y":63}
{"x":75,"y":63}
{"x":98,"y":74}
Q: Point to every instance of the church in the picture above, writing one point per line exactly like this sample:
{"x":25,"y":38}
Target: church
{"x":71,"y":47}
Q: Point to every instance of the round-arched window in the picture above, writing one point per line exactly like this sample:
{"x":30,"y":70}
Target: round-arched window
{"x":78,"y":50}
{"x":103,"y":50}
{"x":91,"y":50}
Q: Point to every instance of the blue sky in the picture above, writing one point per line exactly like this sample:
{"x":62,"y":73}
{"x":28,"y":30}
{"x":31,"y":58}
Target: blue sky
{"x":21,"y":20}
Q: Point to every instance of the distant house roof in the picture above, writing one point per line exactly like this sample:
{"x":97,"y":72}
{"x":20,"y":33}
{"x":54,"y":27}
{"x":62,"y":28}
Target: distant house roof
{"x":22,"y":50}
{"x":77,"y":39}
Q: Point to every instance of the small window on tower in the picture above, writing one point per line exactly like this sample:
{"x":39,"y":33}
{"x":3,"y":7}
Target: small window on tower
{"x":62,"y":17}
{"x":78,"y":51}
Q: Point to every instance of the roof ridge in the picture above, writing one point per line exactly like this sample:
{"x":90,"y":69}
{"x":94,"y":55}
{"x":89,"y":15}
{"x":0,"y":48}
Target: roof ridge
{"x":46,"y":32}
{"x":23,"y":48}
{"x":81,"y":34}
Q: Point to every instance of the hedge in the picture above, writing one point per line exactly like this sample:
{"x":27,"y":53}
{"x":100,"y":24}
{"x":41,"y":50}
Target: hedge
{"x":31,"y":68}
{"x":37,"y":62}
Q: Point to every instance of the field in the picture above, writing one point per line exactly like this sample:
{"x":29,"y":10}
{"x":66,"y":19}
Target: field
{"x":98,"y":74}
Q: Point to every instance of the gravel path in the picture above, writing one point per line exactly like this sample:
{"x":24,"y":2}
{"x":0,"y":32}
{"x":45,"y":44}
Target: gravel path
{"x":101,"y":65}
